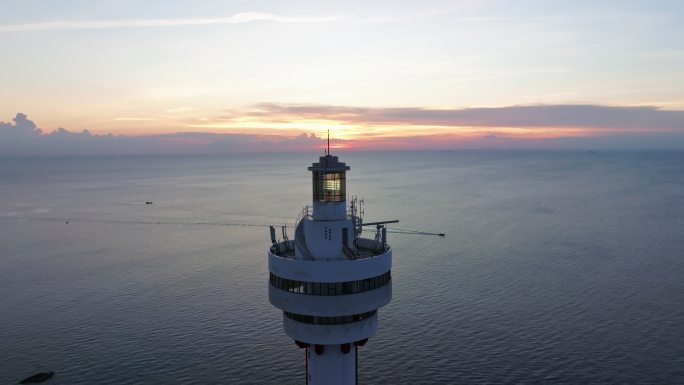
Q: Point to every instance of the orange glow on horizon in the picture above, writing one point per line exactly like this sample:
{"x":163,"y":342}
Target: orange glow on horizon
{"x":340,"y":130}
{"x":347,"y":132}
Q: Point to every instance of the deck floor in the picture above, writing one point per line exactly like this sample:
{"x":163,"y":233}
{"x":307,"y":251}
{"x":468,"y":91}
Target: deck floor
{"x":364,"y":253}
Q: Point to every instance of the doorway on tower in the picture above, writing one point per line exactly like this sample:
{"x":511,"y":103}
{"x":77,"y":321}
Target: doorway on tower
{"x":349,"y":252}
{"x":345,"y":237}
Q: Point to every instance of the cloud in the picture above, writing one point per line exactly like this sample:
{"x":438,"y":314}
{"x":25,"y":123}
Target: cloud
{"x":589,"y":116}
{"x":133,"y":119}
{"x":22,"y":127}
{"x":624,"y":128}
{"x":248,"y":17}
{"x":239,"y":18}
{"x":23,"y":137}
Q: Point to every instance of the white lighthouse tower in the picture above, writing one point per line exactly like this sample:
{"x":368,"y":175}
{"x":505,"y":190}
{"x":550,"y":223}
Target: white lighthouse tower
{"x":329,"y":282}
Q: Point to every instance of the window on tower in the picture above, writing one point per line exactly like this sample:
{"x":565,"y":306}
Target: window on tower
{"x":329,"y":187}
{"x":331,"y":288}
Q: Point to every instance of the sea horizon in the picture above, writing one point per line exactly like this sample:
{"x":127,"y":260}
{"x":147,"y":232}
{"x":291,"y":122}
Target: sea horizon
{"x":557,"y":266}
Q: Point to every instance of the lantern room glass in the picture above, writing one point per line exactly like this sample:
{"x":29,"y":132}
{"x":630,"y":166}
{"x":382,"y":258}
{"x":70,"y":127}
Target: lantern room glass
{"x":329,"y":187}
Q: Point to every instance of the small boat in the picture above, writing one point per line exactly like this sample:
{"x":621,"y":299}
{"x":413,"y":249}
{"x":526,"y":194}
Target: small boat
{"x":38,"y":378}
{"x":149,"y":202}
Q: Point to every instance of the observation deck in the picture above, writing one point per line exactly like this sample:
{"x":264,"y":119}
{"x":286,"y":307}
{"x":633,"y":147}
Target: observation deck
{"x":371,"y":262}
{"x":330,"y":300}
{"x":366,"y":248}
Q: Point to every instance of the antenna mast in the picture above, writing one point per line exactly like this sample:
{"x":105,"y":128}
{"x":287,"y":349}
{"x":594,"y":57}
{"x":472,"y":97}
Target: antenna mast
{"x":328,"y":141}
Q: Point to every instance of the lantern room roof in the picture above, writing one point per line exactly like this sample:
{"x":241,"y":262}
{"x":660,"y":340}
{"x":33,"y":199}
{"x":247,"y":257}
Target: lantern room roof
{"x":329,"y":163}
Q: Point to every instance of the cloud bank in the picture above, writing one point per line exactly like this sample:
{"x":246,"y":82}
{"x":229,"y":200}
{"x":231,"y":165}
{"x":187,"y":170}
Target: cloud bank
{"x":21,"y":136}
{"x":587,"y":116}
{"x":588,"y":127}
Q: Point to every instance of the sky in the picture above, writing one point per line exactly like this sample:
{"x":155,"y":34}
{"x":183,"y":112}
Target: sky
{"x":228,"y":76}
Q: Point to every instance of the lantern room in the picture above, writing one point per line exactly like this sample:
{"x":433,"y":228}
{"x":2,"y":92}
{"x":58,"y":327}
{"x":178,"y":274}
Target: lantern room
{"x":329,"y":188}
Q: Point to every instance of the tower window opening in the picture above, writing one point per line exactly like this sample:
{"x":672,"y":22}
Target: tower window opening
{"x":330,"y":320}
{"x":331,"y":288}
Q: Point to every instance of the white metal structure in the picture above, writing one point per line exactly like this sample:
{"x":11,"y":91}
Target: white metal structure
{"x":329,"y":282}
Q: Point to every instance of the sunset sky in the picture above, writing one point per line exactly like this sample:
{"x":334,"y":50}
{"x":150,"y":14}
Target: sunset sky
{"x":400,"y":74}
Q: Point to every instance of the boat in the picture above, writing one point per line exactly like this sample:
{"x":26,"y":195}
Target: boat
{"x":38,"y":378}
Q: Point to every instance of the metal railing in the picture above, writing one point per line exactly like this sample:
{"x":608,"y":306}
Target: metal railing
{"x":300,"y":243}
{"x":306,"y":213}
{"x":348,"y":253}
{"x":378,"y":245}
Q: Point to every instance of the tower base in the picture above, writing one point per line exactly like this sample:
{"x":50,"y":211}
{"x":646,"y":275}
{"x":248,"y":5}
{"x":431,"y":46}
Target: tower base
{"x":331,"y":364}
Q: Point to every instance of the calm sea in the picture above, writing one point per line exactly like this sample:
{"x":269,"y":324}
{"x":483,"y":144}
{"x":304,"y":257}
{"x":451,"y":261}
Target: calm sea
{"x":557,"y":267}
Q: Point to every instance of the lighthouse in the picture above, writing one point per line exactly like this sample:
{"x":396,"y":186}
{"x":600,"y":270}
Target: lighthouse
{"x":329,"y":281}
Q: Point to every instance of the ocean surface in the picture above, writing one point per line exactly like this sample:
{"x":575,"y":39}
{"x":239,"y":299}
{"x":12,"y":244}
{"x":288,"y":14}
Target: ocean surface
{"x":556,"y":268}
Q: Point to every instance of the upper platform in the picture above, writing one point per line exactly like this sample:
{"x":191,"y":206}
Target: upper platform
{"x":372,"y":263}
{"x":329,"y":163}
{"x":366,"y":248}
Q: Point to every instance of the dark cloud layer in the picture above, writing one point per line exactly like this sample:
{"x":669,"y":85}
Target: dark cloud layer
{"x":555,"y":116}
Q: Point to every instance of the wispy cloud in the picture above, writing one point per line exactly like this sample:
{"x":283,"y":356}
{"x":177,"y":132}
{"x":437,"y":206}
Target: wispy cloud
{"x":239,"y":18}
{"x":133,"y":119}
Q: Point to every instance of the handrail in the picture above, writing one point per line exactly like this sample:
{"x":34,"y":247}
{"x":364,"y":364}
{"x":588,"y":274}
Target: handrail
{"x":320,"y":259}
{"x":300,"y":243}
{"x":348,"y":253}
{"x":305,"y":213}
{"x":300,"y":240}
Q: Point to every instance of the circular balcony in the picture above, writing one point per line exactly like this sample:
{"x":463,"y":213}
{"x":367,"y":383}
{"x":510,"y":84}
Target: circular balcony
{"x":372,"y":261}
